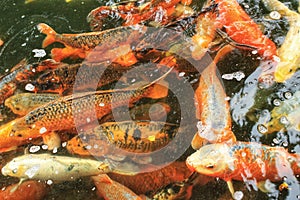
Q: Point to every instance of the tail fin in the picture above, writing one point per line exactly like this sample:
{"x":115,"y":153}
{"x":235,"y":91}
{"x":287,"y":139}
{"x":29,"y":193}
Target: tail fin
{"x":47,"y":30}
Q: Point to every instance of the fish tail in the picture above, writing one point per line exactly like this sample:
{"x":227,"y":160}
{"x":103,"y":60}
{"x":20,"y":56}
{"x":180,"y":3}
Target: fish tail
{"x":47,"y":30}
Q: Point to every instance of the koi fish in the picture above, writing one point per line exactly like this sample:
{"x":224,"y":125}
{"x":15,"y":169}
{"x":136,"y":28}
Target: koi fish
{"x":50,"y":167}
{"x":242,"y":29}
{"x":154,"y":180}
{"x":244,"y":161}
{"x":212,"y":109}
{"x":20,"y":73}
{"x":33,"y":190}
{"x":112,"y":190}
{"x":23,"y":103}
{"x":79,"y":45}
{"x":157,"y":12}
{"x":62,"y":113}
{"x":286,"y":115}
{"x":62,"y":80}
{"x":289,"y":52}
{"x":137,"y":136}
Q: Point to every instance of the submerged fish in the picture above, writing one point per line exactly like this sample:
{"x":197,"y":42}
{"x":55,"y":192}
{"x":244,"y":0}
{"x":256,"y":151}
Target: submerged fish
{"x":154,"y":180}
{"x":242,"y":29}
{"x":212,"y":108}
{"x":76,"y":110}
{"x":51,"y":167}
{"x":32,"y":190}
{"x":178,"y":190}
{"x":21,"y":73}
{"x":23,"y":103}
{"x":79,"y":45}
{"x":289,"y":52}
{"x":112,"y":190}
{"x":286,"y":115}
{"x":245,"y":161}
{"x":137,"y":136}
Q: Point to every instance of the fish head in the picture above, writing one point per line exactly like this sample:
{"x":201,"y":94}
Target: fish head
{"x":14,"y":168}
{"x":211,"y":160}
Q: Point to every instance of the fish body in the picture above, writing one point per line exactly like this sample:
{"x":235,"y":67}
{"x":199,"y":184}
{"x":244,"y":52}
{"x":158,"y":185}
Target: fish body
{"x":153,"y":180}
{"x":23,"y":103}
{"x":289,"y":52}
{"x":244,"y":161}
{"x":80,"y":45}
{"x":32,"y":190}
{"x":178,"y":190}
{"x":137,"y":136}
{"x":212,"y":108}
{"x":77,"y":110}
{"x":51,"y":167}
{"x":242,"y":29}
{"x":20,"y":73}
{"x":112,"y":190}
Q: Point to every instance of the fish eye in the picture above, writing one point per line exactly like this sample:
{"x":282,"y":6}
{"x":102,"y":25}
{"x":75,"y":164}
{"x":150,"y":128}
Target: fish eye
{"x":14,"y":171}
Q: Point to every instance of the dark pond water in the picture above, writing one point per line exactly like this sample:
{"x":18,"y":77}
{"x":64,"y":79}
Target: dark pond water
{"x":250,"y":103}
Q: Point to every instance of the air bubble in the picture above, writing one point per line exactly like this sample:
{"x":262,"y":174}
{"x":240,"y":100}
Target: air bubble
{"x":49,"y":182}
{"x":34,"y":149}
{"x":262,"y":128}
{"x":283,"y":120}
{"x":276,"y":102}
{"x":238,"y":195}
{"x":288,"y":95}
{"x":275,"y":15}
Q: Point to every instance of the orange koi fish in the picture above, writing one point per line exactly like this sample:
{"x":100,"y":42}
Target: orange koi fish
{"x":212,"y":109}
{"x":242,"y":29}
{"x":158,"y":11}
{"x":20,"y":73}
{"x":244,"y":161}
{"x":79,"y":45}
{"x":112,"y":190}
{"x":154,"y":180}
{"x":61,"y":114}
{"x":32,"y":190}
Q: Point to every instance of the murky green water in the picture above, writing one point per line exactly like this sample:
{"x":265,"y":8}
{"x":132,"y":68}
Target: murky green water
{"x":18,"y":31}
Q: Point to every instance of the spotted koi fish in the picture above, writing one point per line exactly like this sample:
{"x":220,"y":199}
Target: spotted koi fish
{"x":244,"y":161}
{"x":84,"y":108}
{"x":79,"y":45}
{"x":137,"y":136}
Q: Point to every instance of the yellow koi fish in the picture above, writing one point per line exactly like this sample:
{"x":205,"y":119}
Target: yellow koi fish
{"x":289,"y":52}
{"x":51,"y":167}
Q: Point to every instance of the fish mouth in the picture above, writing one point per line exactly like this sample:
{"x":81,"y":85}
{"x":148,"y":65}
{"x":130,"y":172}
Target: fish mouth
{"x":5,"y":171}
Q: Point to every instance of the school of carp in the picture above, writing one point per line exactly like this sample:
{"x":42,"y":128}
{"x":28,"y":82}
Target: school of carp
{"x":99,"y":107}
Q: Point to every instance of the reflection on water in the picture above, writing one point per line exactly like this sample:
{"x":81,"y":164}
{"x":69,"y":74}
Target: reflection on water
{"x":251,"y":103}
